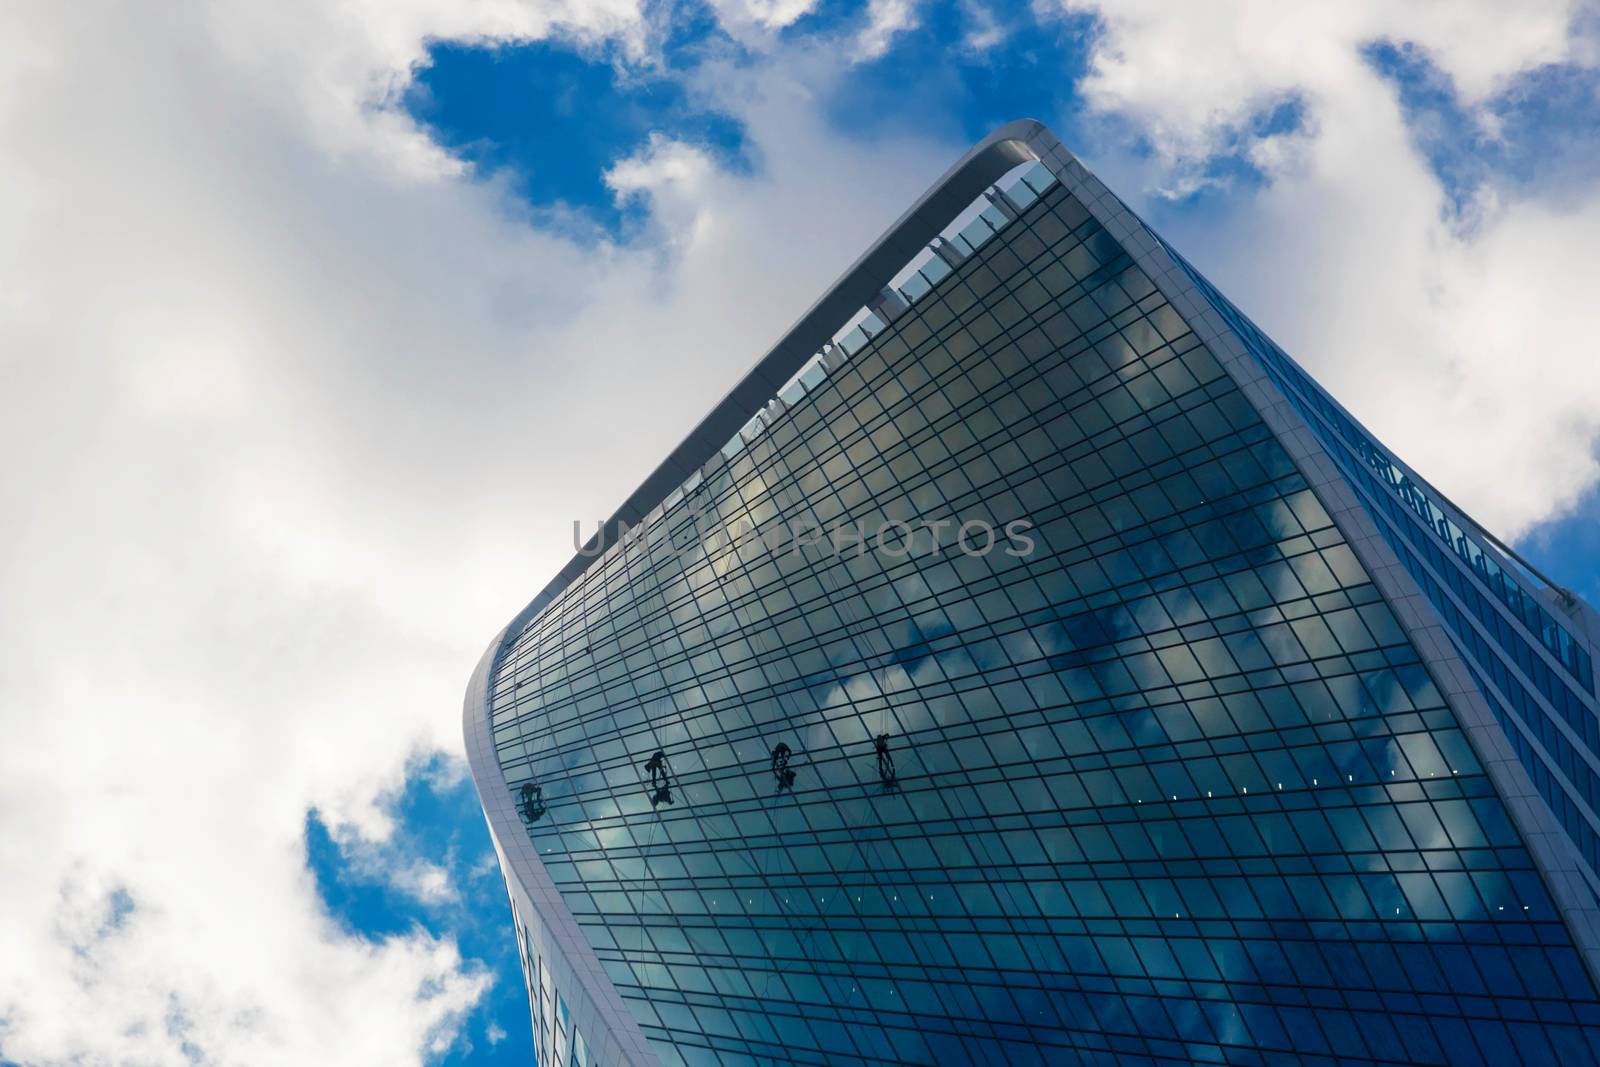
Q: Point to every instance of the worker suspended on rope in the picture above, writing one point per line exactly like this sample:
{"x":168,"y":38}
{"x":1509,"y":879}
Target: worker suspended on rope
{"x":660,"y":779}
{"x":532,"y":801}
{"x":886,"y":771}
{"x":780,"y":766}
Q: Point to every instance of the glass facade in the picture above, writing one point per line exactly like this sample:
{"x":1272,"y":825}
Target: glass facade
{"x":1170,"y":785}
{"x":1523,"y":658}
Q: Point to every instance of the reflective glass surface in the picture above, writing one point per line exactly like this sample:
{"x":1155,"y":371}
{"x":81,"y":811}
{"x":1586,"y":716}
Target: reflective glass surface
{"x":1537,"y":677}
{"x":1173,"y":786}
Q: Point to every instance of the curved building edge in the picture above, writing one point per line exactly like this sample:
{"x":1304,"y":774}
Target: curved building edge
{"x":553,"y":935}
{"x":1552,"y":851}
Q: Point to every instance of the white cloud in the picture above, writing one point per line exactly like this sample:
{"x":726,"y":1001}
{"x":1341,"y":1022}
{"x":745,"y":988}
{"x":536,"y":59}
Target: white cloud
{"x":239,"y":353}
{"x":660,"y":165}
{"x":428,"y":882}
{"x":331,"y":68}
{"x":984,"y":29}
{"x":1191,"y":78}
{"x":393,"y":862}
{"x":296,"y":416}
{"x":1465,"y":348}
{"x":740,"y":17}
{"x":886,"y":20}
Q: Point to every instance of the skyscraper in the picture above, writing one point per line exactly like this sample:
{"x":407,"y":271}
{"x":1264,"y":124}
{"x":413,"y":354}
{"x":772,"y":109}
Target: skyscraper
{"x":1105,"y":694}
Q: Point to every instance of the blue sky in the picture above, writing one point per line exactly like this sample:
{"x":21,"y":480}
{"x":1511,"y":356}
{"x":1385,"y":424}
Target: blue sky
{"x":335,"y":316}
{"x":552,"y":118}
{"x":437,"y":816}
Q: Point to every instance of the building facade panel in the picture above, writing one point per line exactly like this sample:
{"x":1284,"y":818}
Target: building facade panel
{"x":1151,"y":771}
{"x":1524,"y":646}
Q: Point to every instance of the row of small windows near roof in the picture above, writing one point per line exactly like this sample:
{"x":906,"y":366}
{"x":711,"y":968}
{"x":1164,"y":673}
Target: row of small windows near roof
{"x":1481,"y":562}
{"x":688,"y":530}
{"x":969,"y":231}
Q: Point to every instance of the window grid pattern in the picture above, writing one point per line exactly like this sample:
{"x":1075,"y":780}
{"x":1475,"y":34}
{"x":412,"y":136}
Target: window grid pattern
{"x":1480,"y":562}
{"x":1174,"y":786}
{"x":1576,"y":777}
{"x":556,"y":1040}
{"x":1564,"y":771}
